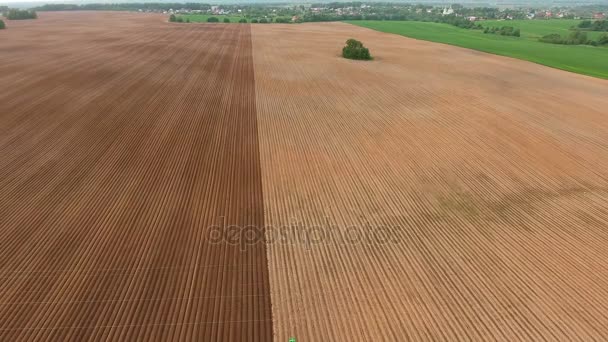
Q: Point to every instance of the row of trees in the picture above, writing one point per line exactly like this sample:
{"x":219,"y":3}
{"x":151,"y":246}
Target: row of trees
{"x":15,"y":14}
{"x":2,"y":25}
{"x":278,"y":20}
{"x":261,"y":21}
{"x":177,"y":19}
{"x":598,"y":25}
{"x":216,"y":20}
{"x":503,"y":31}
{"x":458,"y":22}
{"x":575,"y":38}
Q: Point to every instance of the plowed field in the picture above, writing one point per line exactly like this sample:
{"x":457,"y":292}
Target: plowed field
{"x":124,"y":140}
{"x":437,"y":193}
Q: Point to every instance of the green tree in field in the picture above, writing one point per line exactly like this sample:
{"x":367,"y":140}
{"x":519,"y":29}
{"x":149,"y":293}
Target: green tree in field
{"x":603,"y":40}
{"x":552,"y":38}
{"x":503,"y":31}
{"x":254,"y":21}
{"x":354,"y":49}
{"x":226,"y":20}
{"x":172,"y":18}
{"x":263,"y":21}
{"x":243,"y":21}
{"x":585,"y":24}
{"x":599,"y":25}
{"x":517,"y":33}
{"x":213,"y":20}
{"x":577,"y":37}
{"x":2,"y":25}
{"x":179,"y":19}
{"x":187,"y":20}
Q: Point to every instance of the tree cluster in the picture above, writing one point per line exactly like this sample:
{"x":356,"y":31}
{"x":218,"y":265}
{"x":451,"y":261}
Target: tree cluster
{"x":15,"y":14}
{"x":458,"y":22}
{"x":575,"y":38}
{"x":598,"y":25}
{"x":354,"y":49}
{"x":2,"y":25}
{"x":503,"y":31}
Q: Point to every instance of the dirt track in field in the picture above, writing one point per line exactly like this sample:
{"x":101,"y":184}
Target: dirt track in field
{"x":123,"y":141}
{"x":435,"y":193}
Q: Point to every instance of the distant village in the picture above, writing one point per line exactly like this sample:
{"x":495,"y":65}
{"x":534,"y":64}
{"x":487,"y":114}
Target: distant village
{"x":371,"y":11}
{"x":454,"y":14}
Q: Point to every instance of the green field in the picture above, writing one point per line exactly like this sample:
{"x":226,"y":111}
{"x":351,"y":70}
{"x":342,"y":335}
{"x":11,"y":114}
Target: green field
{"x":588,"y":60}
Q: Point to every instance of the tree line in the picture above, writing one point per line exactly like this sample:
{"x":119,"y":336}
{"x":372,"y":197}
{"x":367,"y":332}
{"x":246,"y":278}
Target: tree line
{"x":178,"y":19}
{"x":503,"y":31}
{"x":15,"y":14}
{"x":598,"y":25}
{"x":577,"y":37}
{"x":579,"y":34}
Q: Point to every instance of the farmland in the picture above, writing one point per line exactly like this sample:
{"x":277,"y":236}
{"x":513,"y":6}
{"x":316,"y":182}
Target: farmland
{"x":116,"y":164}
{"x":434,"y":193}
{"x":585,"y":60}
{"x":447,"y":194}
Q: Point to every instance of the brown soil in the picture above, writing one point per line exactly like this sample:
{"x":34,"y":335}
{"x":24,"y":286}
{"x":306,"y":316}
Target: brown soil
{"x":124,"y":140}
{"x":488,"y":176}
{"x":435,"y":193}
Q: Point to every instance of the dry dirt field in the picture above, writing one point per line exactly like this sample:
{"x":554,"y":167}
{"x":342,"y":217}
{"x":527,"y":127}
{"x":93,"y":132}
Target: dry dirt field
{"x":435,"y":193}
{"x":448,"y":194}
{"x":124,"y":140}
